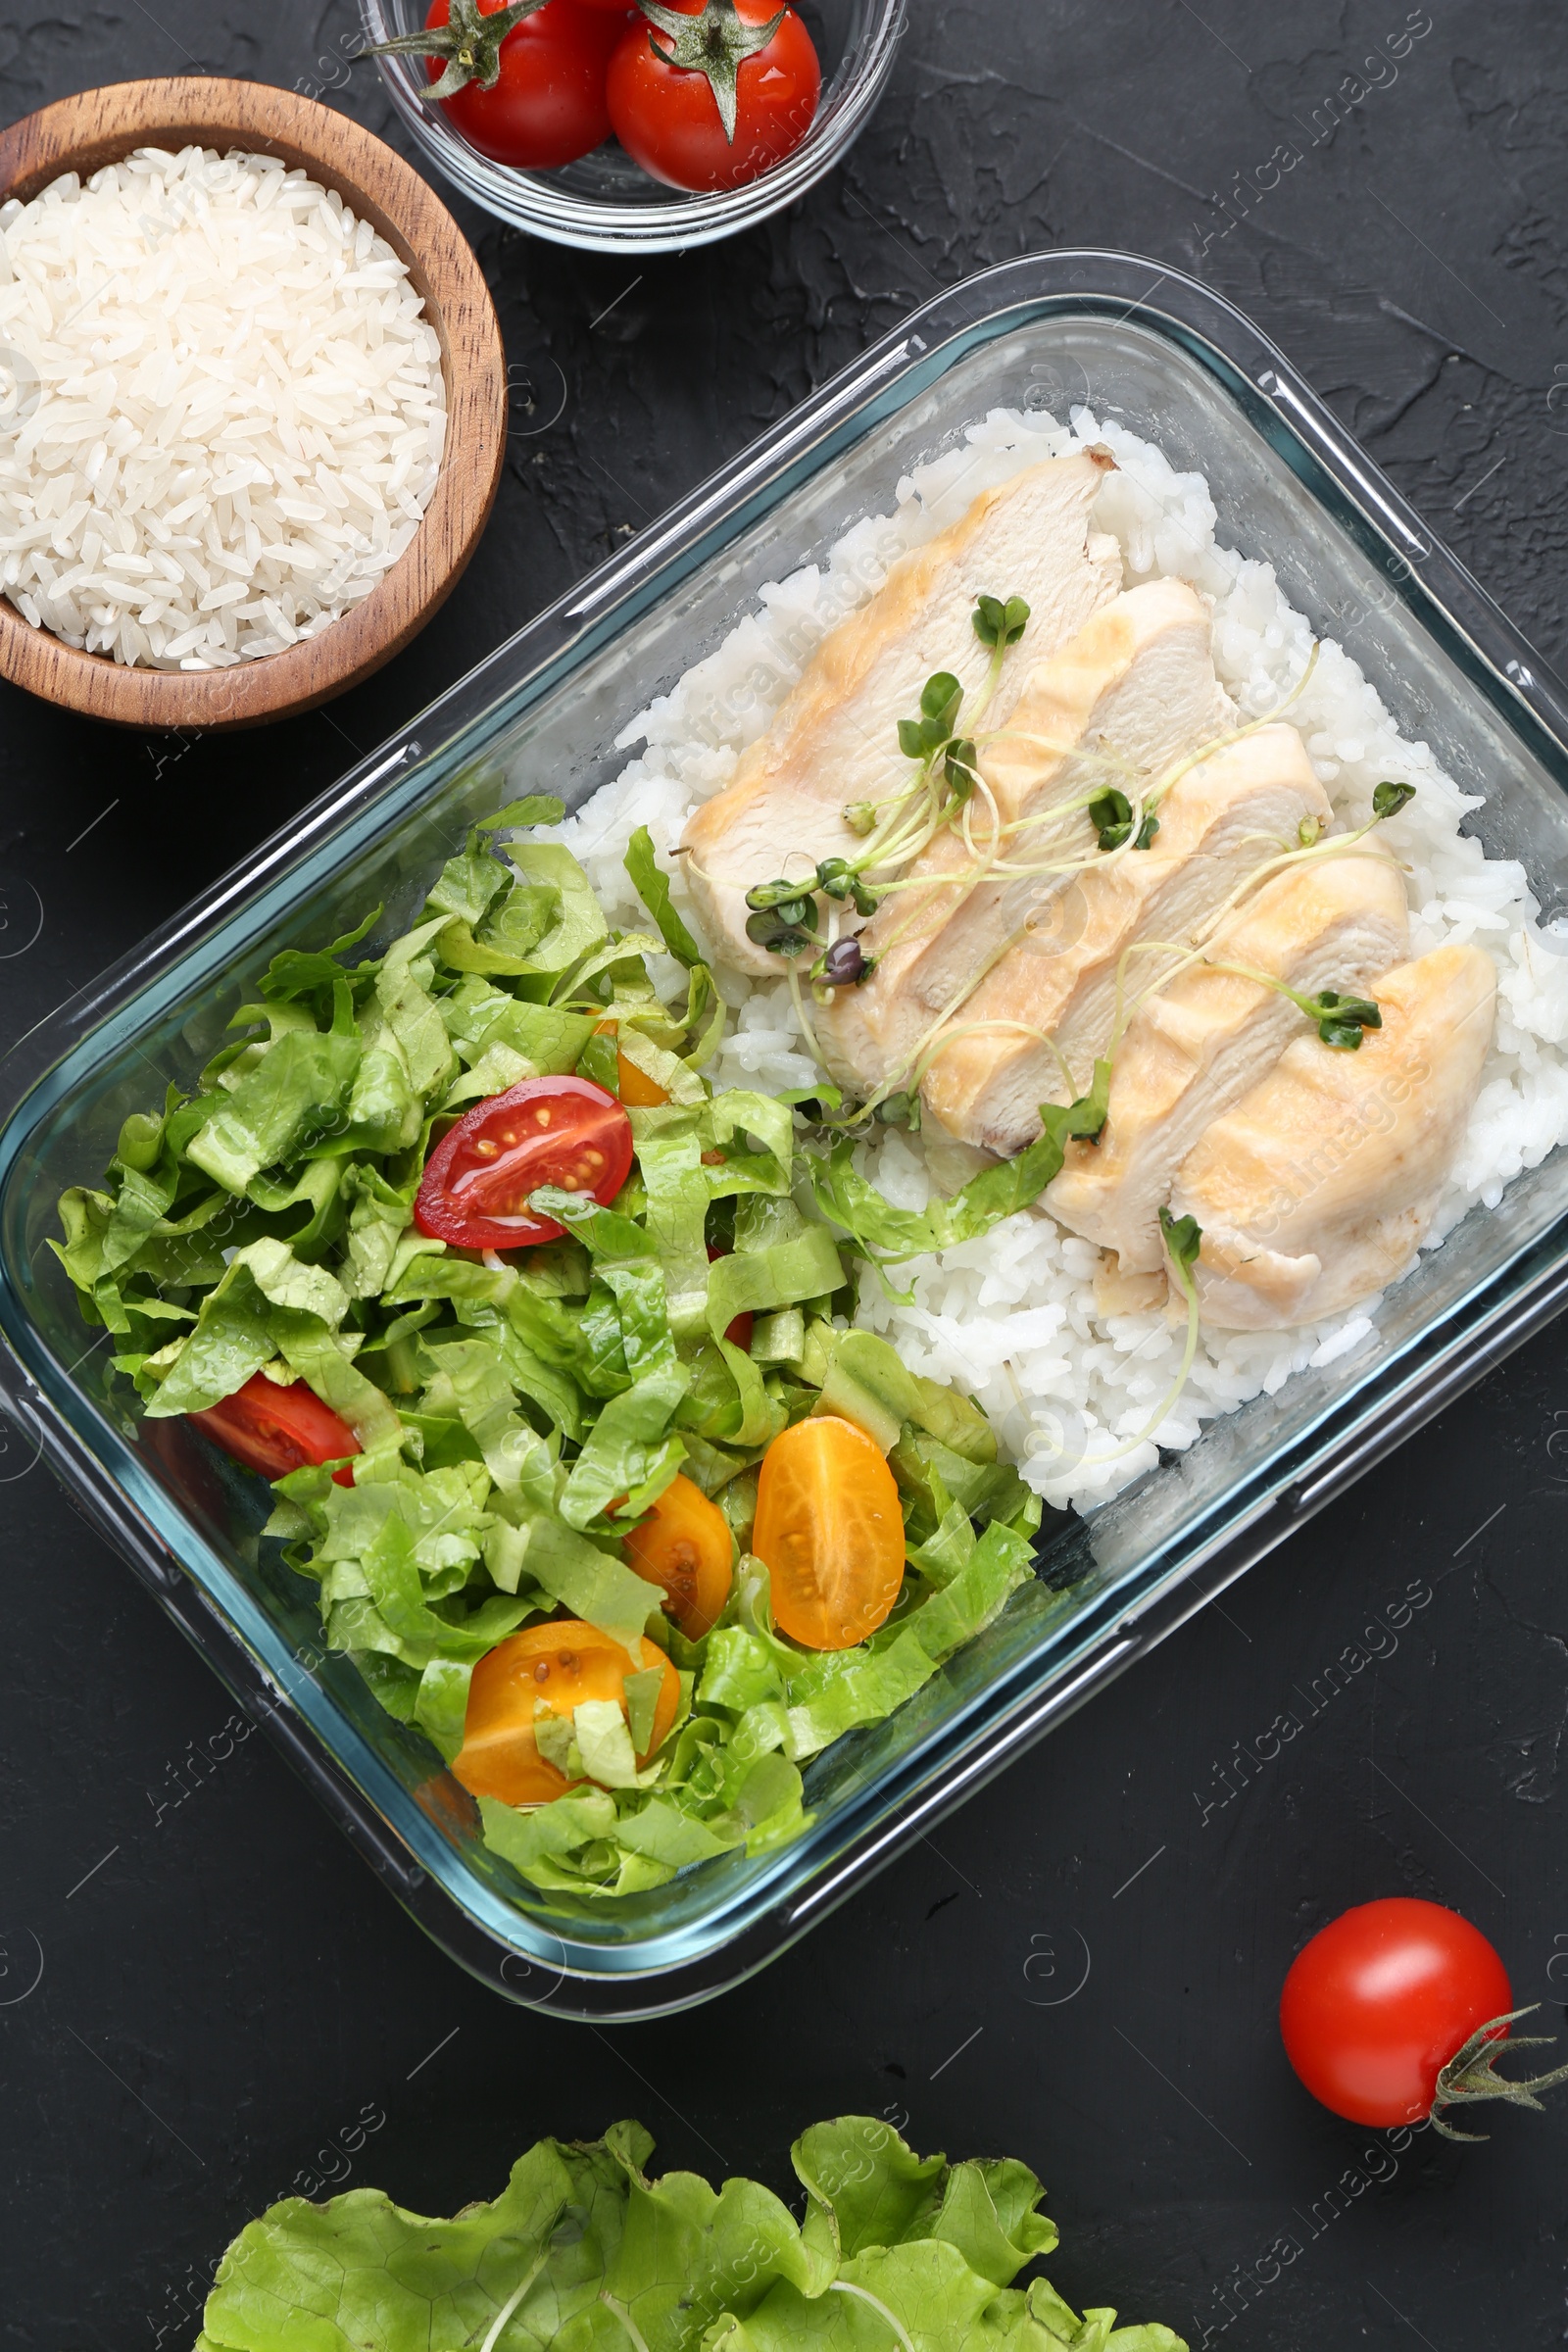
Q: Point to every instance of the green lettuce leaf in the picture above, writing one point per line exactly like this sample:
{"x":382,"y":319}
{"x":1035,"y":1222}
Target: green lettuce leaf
{"x":653,"y":888}
{"x":888,"y":1235}
{"x":583,"y":2252}
{"x":589,"y":1583}
{"x":293,"y":1092}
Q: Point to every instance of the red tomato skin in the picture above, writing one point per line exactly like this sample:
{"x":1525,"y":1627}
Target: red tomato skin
{"x":549,"y":106}
{"x":667,"y":119}
{"x":1380,"y":2000}
{"x":581,"y":1119}
{"x":275,"y":1430}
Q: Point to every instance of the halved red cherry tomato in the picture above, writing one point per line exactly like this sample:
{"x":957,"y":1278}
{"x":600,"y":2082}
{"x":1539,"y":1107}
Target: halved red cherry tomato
{"x":275,"y":1430}
{"x":667,"y":116}
{"x":559,"y":1131}
{"x":1380,"y":2000}
{"x":549,"y":106}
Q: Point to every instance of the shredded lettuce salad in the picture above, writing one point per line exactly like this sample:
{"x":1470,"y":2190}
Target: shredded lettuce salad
{"x":583,"y":2252}
{"x":516,"y":1416}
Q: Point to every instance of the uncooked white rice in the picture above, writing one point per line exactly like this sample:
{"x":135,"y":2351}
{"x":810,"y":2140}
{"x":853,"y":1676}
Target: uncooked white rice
{"x":222,"y":409}
{"x":1012,"y":1317}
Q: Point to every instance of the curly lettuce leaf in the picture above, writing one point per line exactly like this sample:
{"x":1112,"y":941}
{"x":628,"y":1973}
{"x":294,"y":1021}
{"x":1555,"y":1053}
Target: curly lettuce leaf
{"x":583,"y":2252}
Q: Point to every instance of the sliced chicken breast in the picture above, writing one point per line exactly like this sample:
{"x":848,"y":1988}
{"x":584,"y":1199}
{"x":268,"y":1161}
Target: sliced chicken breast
{"x":1132,"y":691}
{"x":1316,"y":1190}
{"x":835,"y":737}
{"x":1194,"y":1051}
{"x":1218,"y":823}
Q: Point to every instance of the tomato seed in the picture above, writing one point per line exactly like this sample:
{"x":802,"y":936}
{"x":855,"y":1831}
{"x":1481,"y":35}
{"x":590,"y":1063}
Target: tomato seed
{"x":542,"y":1118}
{"x":593,"y":1159}
{"x":485,"y":1150}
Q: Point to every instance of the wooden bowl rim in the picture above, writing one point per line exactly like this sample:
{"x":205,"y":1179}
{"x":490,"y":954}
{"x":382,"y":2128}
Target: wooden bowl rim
{"x":99,"y":126}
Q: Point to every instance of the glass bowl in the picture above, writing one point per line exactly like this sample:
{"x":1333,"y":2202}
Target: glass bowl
{"x":605,"y":203}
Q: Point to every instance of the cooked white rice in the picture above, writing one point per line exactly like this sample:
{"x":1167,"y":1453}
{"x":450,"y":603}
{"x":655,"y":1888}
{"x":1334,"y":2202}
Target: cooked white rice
{"x":222,"y":409}
{"x":1012,"y":1317}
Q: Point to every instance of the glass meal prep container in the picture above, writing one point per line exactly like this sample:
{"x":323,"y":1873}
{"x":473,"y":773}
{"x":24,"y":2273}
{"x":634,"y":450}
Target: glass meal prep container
{"x":1172,"y":362}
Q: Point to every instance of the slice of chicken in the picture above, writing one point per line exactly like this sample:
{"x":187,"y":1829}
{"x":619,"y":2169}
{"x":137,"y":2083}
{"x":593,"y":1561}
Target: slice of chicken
{"x":1132,"y":691}
{"x":1317,"y":1188}
{"x":835,"y":737}
{"x":1194,"y":1051}
{"x":1219,"y":821}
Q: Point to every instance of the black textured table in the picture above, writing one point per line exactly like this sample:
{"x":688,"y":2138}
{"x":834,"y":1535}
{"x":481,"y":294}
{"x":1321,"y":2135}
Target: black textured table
{"x":1082,"y":1968}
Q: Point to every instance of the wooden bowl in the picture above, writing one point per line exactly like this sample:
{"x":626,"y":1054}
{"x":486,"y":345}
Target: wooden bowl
{"x":82,"y":134}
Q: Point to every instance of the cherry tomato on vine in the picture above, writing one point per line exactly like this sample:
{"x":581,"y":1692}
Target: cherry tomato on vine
{"x":275,"y":1430}
{"x":1380,"y":2000}
{"x":547,"y":105}
{"x":712,"y":104}
{"x":565,"y":1132}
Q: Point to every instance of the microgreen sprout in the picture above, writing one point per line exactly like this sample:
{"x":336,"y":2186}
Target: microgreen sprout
{"x":842,"y":966}
{"x":923,"y":737}
{"x":998,"y":625}
{"x":782,"y":892}
{"x":900,"y":1110}
{"x":860,"y":817}
{"x":837,"y":879}
{"x":958,"y":767}
{"x":783,"y":917}
{"x":1307,"y":831}
{"x":1184,"y":1237}
{"x":1388,"y":798}
{"x":1340,"y":1020}
{"x":1111,"y":813}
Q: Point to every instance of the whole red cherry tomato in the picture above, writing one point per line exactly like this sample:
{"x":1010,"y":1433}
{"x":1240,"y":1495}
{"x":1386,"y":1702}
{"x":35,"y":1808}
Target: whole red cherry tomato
{"x":548,"y":105}
{"x":1376,"y":2005}
{"x":707,"y":109}
{"x":275,"y":1430}
{"x":559,"y":1131}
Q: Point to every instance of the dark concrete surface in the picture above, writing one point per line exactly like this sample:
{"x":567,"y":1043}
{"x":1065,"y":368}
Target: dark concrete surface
{"x":1082,"y":1968}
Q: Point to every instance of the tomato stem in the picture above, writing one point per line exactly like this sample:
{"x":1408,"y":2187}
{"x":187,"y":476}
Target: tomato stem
{"x":470,"y":42}
{"x":1470,"y":2073}
{"x":714,"y":43}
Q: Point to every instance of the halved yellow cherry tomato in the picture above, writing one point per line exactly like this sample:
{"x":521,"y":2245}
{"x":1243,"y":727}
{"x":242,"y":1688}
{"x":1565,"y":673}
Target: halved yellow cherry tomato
{"x":830,"y":1531}
{"x":684,"y":1545}
{"x":561,"y":1664}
